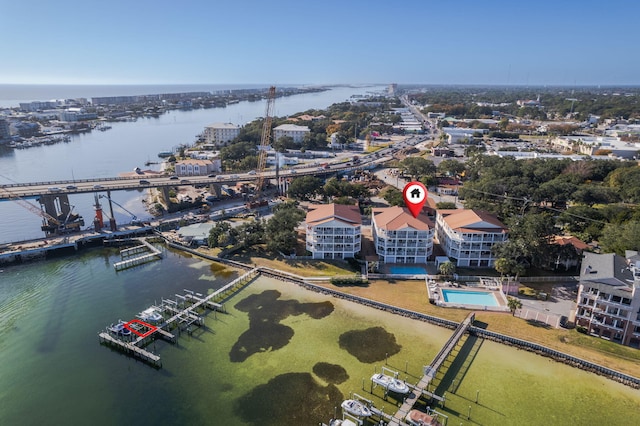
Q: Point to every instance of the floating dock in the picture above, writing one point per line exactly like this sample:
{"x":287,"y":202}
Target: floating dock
{"x":151,"y":254}
{"x":182,"y":316}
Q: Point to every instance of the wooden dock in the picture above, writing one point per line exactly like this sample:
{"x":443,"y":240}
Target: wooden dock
{"x":127,"y":261}
{"x":130,"y":349}
{"x":182,"y":315}
{"x":430,"y":372}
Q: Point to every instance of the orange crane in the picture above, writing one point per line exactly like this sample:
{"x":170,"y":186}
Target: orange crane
{"x":265,"y":141}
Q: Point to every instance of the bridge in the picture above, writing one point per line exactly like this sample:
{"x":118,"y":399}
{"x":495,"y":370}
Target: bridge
{"x":80,"y":186}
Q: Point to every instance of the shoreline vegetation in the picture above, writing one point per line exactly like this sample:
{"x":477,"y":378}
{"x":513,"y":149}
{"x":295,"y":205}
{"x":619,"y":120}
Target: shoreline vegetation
{"x":411,"y":295}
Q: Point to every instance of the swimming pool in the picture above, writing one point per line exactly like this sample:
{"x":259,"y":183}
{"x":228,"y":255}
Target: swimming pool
{"x":407,"y":270}
{"x":461,"y":297}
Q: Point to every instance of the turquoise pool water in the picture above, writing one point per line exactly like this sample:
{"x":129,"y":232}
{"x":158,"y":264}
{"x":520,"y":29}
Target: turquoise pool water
{"x":407,"y":270}
{"x":461,"y":297}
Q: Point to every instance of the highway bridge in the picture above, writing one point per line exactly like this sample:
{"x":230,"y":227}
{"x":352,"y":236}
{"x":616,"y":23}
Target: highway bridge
{"x":80,"y":186}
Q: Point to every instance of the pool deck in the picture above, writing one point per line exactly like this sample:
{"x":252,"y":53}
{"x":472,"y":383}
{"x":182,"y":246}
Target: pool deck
{"x":434,"y":291}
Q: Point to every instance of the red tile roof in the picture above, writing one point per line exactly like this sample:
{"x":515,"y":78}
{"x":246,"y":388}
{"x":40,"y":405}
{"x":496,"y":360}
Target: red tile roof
{"x":394,"y":218}
{"x":320,"y":213}
{"x":463,"y":220}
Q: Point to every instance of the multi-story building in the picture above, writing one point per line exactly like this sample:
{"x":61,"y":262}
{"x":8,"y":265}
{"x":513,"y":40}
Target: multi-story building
{"x":333,"y":231}
{"x":297,"y":133}
{"x":192,"y":167}
{"x":220,"y":134}
{"x":5,"y":132}
{"x":609,"y":297}
{"x":467,"y":236}
{"x":401,"y":238}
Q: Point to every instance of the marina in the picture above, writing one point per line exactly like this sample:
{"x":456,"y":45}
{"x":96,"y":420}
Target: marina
{"x":183,"y":314}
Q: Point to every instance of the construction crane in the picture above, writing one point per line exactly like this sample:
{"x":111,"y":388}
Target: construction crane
{"x":265,"y":141}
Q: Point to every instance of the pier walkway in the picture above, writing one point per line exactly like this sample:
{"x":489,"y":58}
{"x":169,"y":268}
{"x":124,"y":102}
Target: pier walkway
{"x":182,"y":314}
{"x":129,"y":261}
{"x":430,"y":372}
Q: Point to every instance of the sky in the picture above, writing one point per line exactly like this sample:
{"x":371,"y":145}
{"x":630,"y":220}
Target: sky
{"x":517,"y":42}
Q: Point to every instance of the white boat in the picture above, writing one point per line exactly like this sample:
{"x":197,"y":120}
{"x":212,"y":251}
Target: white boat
{"x":418,"y":418}
{"x":151,"y":315}
{"x":391,"y":383}
{"x":355,"y":408}
{"x":340,"y":422}
{"x":120,"y":329}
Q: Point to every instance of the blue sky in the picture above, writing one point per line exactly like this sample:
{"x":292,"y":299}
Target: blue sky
{"x":320,"y":42}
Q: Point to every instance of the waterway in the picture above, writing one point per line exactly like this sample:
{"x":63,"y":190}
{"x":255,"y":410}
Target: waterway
{"x":125,"y":146}
{"x":282,"y":355}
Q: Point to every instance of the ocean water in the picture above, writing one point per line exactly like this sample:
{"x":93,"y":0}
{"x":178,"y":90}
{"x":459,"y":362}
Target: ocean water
{"x":125,"y":146}
{"x":282,"y":355}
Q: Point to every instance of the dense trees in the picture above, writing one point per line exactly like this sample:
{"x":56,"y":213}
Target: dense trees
{"x":305,"y":187}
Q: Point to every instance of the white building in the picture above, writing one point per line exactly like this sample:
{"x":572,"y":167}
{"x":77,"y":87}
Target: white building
{"x":590,"y":145}
{"x":192,"y":167}
{"x":609,"y":297}
{"x":333,"y":231}
{"x":297,"y":133}
{"x":401,"y":238}
{"x":467,"y":236}
{"x":220,"y":134}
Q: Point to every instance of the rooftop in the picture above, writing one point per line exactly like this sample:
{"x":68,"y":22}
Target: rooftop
{"x":321,"y":213}
{"x":396,"y":218}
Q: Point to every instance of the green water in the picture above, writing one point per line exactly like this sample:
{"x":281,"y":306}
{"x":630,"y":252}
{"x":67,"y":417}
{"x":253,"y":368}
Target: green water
{"x":282,"y":355}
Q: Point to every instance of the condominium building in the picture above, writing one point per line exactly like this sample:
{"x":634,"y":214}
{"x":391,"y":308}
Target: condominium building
{"x":401,"y":238}
{"x":609,"y":297}
{"x":193,"y":167}
{"x":297,"y":133}
{"x":467,"y":236}
{"x":5,"y":133}
{"x":219,"y":134}
{"x":333,"y":231}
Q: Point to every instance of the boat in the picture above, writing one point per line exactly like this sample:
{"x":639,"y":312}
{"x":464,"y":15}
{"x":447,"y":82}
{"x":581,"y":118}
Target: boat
{"x":120,"y":329}
{"x":355,"y":408}
{"x":391,"y":383}
{"x":341,"y":422}
{"x":151,"y":315}
{"x":419,"y":418}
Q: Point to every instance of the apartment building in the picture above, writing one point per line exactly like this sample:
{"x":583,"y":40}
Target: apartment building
{"x":219,"y":134}
{"x":467,"y":236}
{"x":608,"y":304}
{"x":192,"y":167}
{"x":297,"y":133}
{"x":333,"y":231}
{"x":401,"y":238}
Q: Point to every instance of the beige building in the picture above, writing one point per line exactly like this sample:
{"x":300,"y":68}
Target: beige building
{"x":401,"y":238}
{"x":192,"y":167}
{"x":220,"y":134}
{"x":467,"y":236}
{"x":333,"y":231}
{"x":609,"y":297}
{"x":297,"y":133}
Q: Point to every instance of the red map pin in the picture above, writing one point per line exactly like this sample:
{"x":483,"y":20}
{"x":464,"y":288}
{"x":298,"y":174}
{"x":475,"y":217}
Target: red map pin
{"x":415,"y":195}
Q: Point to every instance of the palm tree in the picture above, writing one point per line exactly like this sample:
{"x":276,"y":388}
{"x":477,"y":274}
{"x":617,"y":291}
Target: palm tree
{"x":514,"y":304}
{"x":447,"y":268}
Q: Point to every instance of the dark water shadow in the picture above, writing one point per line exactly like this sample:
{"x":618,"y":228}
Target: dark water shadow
{"x":331,"y":373}
{"x":288,"y":399}
{"x":371,"y":345}
{"x":265,"y":332}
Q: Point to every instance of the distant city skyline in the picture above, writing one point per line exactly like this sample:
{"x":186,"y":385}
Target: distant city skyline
{"x":496,"y":42}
